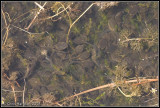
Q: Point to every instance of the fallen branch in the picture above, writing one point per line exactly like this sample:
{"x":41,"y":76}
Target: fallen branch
{"x":104,"y":86}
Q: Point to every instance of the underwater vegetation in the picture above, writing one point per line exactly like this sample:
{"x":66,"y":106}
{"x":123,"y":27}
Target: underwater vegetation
{"x":79,"y":54}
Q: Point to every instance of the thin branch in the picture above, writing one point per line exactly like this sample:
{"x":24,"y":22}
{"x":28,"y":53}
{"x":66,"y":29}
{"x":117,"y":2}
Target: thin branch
{"x":35,"y":17}
{"x":4,"y":18}
{"x":27,"y":31}
{"x":104,"y":86}
{"x":77,"y":20}
{"x":11,"y":91}
{"x":41,"y":7}
{"x":5,"y":37}
{"x":70,"y":21}
{"x":124,"y":93}
{"x":22,"y":29}
{"x":24,"y":91}
{"x":15,"y":97}
{"x":55,"y":14}
{"x":136,"y":39}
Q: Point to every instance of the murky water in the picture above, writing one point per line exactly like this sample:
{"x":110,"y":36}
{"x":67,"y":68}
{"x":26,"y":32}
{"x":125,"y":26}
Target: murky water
{"x":109,"y":43}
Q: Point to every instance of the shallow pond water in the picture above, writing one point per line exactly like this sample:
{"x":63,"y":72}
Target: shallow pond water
{"x":111,"y":42}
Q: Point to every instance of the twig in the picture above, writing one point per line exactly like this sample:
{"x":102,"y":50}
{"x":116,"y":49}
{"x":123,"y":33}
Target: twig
{"x":24,"y":91}
{"x":104,"y":86}
{"x":22,"y":29}
{"x":146,"y":81}
{"x":4,"y":18}
{"x":5,"y":37}
{"x":70,"y":21}
{"x":35,"y":17}
{"x":15,"y":97}
{"x":23,"y":15}
{"x":55,"y":14}
{"x":27,"y":31}
{"x":41,"y":7}
{"x":10,"y":90}
{"x":124,"y":93}
{"x":150,"y":99}
{"x":136,"y":39}
{"x":77,"y":20}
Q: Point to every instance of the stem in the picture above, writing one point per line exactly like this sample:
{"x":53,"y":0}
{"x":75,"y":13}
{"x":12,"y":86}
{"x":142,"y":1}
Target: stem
{"x":107,"y":85}
{"x":77,"y":20}
{"x":136,"y":39}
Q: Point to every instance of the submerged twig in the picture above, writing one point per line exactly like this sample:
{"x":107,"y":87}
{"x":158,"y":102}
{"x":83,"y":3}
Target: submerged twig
{"x":24,"y":91}
{"x":136,"y":39}
{"x":77,"y":20}
{"x":104,"y":86}
{"x":35,"y":17}
{"x":5,"y":37}
{"x":27,"y":31}
{"x":55,"y":14}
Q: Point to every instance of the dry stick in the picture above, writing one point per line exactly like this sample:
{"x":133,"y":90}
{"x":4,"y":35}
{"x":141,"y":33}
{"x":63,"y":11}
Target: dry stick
{"x":104,"y":86}
{"x":24,"y":91}
{"x":41,"y":7}
{"x":23,"y":15}
{"x":15,"y":98}
{"x":35,"y":17}
{"x":70,"y":21}
{"x":7,"y":29}
{"x":136,"y":39}
{"x":27,"y":31}
{"x":4,"y":18}
{"x":10,"y":90}
{"x":6,"y":35}
{"x":77,"y":20}
{"x":55,"y":14}
{"x":142,"y":82}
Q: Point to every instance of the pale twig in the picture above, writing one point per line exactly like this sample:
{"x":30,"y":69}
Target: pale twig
{"x":41,"y":7}
{"x":70,"y":21}
{"x":136,"y":39}
{"x":35,"y":17}
{"x":124,"y":93}
{"x":150,"y":99}
{"x":15,"y":97}
{"x":4,"y":18}
{"x":55,"y":14}
{"x":27,"y":31}
{"x":22,"y":29}
{"x":30,"y":11}
{"x":5,"y":37}
{"x":8,"y":17}
{"x":77,"y":20}
{"x":24,"y":91}
{"x":10,"y":90}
